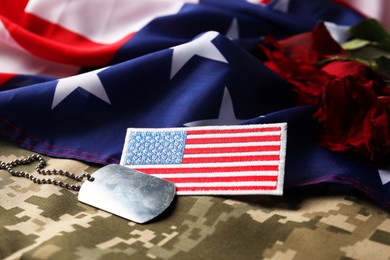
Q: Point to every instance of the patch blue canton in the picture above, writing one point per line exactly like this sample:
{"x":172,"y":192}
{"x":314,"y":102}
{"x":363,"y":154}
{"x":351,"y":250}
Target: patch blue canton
{"x":153,"y":147}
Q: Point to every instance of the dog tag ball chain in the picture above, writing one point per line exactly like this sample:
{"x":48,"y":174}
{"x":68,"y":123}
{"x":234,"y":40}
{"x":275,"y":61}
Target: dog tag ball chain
{"x":113,"y":188}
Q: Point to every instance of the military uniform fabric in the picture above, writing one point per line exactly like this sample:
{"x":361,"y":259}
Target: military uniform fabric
{"x":321,"y":222}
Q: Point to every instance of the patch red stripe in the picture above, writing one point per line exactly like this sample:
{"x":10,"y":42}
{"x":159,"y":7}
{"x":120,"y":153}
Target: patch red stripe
{"x":225,"y":188}
{"x":242,"y":139}
{"x":232,"y":131}
{"x":224,"y":179}
{"x":243,"y":149}
{"x":209,"y":169}
{"x":229,"y":159}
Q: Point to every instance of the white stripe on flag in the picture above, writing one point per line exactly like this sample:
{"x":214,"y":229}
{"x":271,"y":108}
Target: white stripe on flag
{"x":206,"y":165}
{"x":268,"y":133}
{"x":218,"y":145}
{"x":215,"y":174}
{"x":224,"y":184}
{"x":231,"y":154}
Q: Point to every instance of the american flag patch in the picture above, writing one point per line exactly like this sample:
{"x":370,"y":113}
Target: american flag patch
{"x":215,"y":160}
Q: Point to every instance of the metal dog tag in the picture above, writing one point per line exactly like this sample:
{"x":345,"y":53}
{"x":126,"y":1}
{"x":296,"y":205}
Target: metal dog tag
{"x":127,"y":193}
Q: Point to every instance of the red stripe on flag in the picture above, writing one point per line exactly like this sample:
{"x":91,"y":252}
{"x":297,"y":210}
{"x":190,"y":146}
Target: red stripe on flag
{"x":224,"y":179}
{"x":209,"y":169}
{"x":225,"y":188}
{"x":264,"y":2}
{"x":12,"y":9}
{"x":231,"y":158}
{"x":236,"y":149}
{"x":231,"y":131}
{"x":241,"y":139}
{"x":4,"y":77}
{"x":61,"y":45}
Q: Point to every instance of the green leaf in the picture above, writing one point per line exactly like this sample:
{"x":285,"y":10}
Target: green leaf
{"x":370,"y":30}
{"x":355,"y":44}
{"x":383,"y":65}
{"x":370,"y":52}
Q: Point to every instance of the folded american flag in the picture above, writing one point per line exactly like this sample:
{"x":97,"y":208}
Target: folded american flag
{"x":192,"y":65}
{"x":211,"y":160}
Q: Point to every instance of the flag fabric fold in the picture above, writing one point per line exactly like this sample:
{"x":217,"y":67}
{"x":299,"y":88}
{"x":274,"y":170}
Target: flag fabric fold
{"x":307,"y":163}
{"x":71,"y":84}
{"x":139,"y":93}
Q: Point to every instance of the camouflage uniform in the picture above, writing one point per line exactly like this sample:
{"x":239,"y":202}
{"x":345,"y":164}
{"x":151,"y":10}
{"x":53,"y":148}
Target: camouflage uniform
{"x":321,"y":222}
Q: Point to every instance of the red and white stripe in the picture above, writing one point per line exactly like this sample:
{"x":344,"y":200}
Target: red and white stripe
{"x":223,"y":160}
{"x":58,"y":37}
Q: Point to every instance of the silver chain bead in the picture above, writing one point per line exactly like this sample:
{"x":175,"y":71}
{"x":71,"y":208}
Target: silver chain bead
{"x":39,"y":168}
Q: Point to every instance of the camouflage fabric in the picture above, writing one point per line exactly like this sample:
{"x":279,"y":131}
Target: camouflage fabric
{"x":322,"y":222}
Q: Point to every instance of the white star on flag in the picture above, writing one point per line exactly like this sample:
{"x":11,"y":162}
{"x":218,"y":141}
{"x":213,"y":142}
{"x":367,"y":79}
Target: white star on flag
{"x":226,"y":114}
{"x":339,"y":33}
{"x":201,"y":46}
{"x":384,"y":175}
{"x":282,"y":6}
{"x":233,"y":32}
{"x":89,"y":81}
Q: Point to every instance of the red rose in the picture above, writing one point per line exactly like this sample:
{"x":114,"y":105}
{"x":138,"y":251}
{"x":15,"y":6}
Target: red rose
{"x":296,"y":58}
{"x":353,"y":113}
{"x":309,"y":83}
{"x":352,"y":100}
{"x":311,"y":47}
{"x":377,"y":131}
{"x":343,"y":110}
